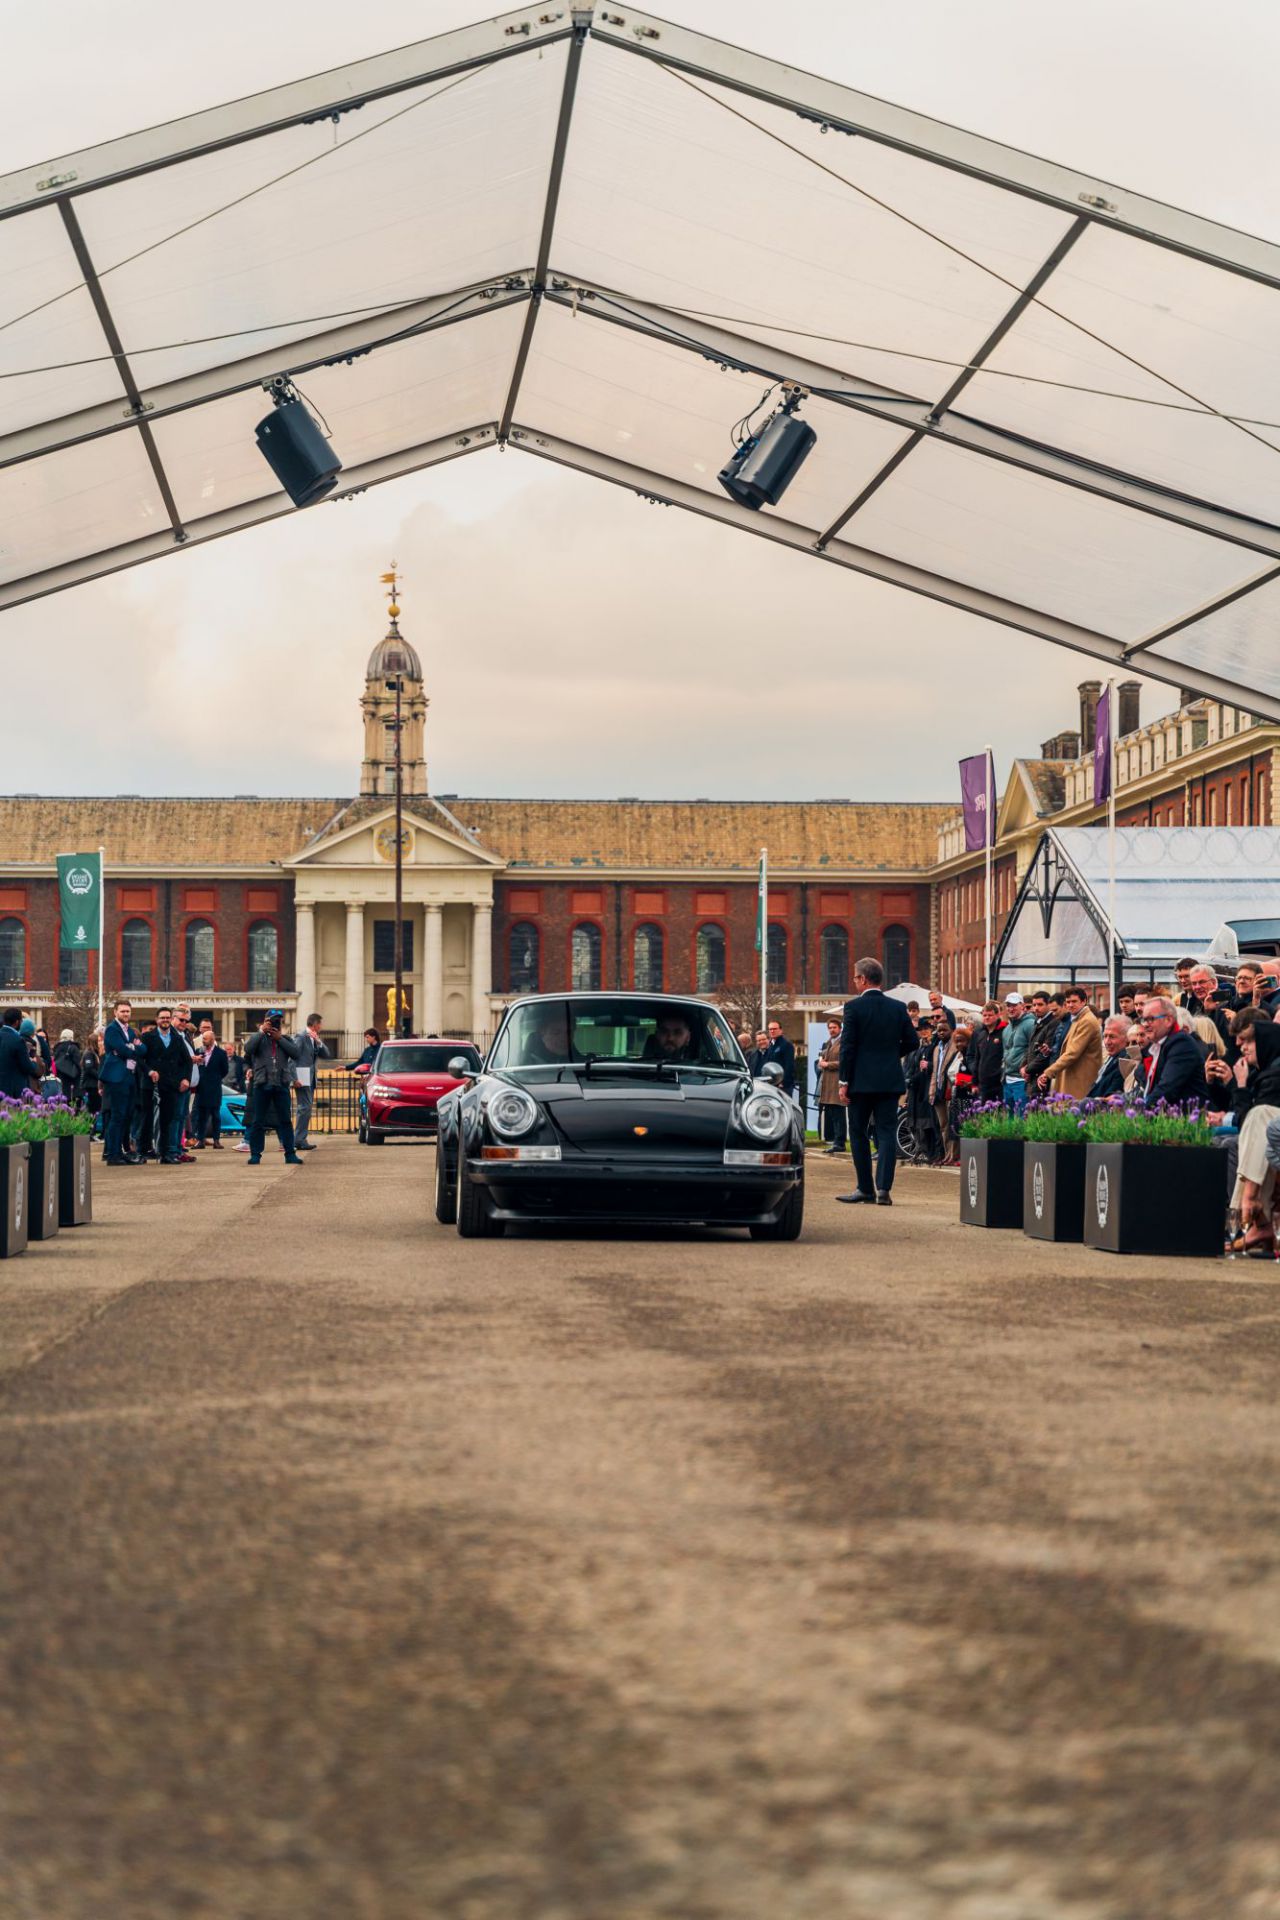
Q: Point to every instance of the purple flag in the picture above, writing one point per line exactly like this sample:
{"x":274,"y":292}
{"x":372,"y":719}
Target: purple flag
{"x":976,"y":774}
{"x":1102,"y":751}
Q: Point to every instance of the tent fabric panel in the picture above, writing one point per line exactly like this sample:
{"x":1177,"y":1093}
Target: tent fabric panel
{"x":670,"y":411}
{"x":76,"y":502}
{"x":433,"y":190}
{"x":1251,"y":854}
{"x":1042,"y":543}
{"x":47,"y":319}
{"x":1238,"y":640}
{"x":670,"y":198}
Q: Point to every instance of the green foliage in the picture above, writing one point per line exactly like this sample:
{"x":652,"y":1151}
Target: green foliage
{"x":1125,"y":1125}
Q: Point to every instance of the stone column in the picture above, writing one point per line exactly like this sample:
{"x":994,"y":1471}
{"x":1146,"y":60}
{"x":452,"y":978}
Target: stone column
{"x":356,"y":1013}
{"x":305,"y":963}
{"x":481,"y":970}
{"x":433,"y":968}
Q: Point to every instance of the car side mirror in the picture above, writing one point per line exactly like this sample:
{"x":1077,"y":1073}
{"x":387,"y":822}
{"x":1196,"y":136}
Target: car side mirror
{"x":362,"y":1070}
{"x":772,"y":1071}
{"x":461,"y":1068}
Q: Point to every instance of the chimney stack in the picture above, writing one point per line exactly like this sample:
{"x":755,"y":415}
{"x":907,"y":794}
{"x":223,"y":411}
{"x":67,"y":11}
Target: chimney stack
{"x":1128,"y":694}
{"x":1090,"y":694}
{"x":1063,"y":746}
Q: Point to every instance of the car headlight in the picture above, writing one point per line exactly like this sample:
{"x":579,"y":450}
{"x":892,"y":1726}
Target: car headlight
{"x":512,"y":1111}
{"x":382,"y":1092}
{"x":764,"y":1115}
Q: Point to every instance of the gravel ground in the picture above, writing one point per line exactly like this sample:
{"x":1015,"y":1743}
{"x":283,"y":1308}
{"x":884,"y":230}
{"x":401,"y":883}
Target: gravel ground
{"x":354,"y":1572}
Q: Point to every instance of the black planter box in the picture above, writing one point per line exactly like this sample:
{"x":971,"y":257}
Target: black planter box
{"x":15,"y":1190}
{"x":1053,"y":1189}
{"x":42,"y":1223}
{"x":991,"y":1183}
{"x":75,"y":1181}
{"x":1144,"y":1199}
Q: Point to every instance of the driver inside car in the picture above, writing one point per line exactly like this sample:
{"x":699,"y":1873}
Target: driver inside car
{"x":672,"y":1039}
{"x":548,"y":1044}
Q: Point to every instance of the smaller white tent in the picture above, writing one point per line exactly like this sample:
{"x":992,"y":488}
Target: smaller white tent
{"x":1175,"y":888}
{"x":963,"y":1009}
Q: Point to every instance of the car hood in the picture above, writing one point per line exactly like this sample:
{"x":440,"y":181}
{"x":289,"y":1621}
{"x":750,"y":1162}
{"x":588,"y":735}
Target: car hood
{"x":597,"y":1114}
{"x":417,"y":1083}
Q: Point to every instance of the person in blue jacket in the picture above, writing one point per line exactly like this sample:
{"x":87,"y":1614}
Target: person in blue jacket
{"x":122,"y":1055}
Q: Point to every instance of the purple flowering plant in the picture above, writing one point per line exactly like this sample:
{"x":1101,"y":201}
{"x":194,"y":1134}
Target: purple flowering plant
{"x":33,"y":1117}
{"x":1120,"y":1119}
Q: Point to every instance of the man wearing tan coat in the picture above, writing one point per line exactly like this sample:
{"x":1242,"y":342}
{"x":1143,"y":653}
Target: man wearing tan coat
{"x":1078,"y":1064}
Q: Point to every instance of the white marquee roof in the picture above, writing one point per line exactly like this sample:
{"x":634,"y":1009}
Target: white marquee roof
{"x":599,"y":238}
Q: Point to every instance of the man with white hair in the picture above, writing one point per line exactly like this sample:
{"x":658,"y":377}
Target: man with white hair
{"x":1177,"y":1058}
{"x":1118,"y":1068}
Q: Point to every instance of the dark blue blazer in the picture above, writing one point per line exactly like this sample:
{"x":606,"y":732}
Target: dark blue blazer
{"x":1179,"y":1073}
{"x":783,"y":1051}
{"x":119,"y":1045}
{"x":18,"y":1071}
{"x":1109,"y":1082}
{"x":877,"y":1035}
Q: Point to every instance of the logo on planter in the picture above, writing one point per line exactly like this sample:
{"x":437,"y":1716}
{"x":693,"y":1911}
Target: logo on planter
{"x":51,"y":1196}
{"x":973,"y":1179}
{"x":1037,"y":1189}
{"x":19,"y":1194}
{"x":1103,"y":1195}
{"x":84,"y":1178}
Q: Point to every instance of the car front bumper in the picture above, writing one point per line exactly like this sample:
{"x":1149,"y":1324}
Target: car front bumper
{"x":390,"y":1116}
{"x":677,"y":1193}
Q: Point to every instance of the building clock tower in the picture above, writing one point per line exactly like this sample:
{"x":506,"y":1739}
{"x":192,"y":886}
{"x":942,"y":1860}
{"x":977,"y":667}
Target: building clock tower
{"x":393,"y":658}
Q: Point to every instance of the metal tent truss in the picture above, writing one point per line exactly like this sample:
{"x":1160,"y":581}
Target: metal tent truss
{"x":603,"y":240}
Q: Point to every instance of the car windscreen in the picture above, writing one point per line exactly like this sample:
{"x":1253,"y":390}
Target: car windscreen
{"x":422,"y":1059}
{"x":554,"y":1033}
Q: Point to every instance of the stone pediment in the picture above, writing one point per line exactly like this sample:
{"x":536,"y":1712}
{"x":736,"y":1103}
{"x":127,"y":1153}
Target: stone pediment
{"x":369,"y":842}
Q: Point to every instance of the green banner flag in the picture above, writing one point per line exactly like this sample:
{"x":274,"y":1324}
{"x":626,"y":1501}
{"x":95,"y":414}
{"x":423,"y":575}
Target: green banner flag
{"x":80,"y":898}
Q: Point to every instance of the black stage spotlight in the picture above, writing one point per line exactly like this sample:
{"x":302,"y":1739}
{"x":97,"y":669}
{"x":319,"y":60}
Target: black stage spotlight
{"x":763,"y":467}
{"x":295,"y":449}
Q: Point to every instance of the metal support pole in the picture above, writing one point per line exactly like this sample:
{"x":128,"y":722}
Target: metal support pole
{"x":399,"y":936}
{"x":1111,"y":846}
{"x":762,"y":922}
{"x":102,"y":926}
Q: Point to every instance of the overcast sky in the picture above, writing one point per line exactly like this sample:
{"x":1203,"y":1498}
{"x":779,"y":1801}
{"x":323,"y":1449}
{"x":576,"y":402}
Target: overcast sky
{"x":576,"y":641}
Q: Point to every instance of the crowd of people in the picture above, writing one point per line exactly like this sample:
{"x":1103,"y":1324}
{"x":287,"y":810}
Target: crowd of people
{"x":1202,"y":1043}
{"x":156,"y":1092}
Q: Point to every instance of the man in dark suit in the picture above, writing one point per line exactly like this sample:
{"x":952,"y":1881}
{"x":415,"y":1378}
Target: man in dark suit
{"x":878,"y":1035}
{"x":122,"y":1057}
{"x":781,"y":1050}
{"x":1177,"y":1071}
{"x":19,"y":1070}
{"x":1117,"y":1067}
{"x":169,"y":1069}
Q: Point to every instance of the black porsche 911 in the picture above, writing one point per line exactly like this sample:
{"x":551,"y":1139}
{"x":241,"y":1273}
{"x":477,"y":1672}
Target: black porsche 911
{"x":628,"y":1107}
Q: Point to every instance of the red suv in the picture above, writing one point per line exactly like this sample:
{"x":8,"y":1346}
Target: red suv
{"x":404,"y":1083}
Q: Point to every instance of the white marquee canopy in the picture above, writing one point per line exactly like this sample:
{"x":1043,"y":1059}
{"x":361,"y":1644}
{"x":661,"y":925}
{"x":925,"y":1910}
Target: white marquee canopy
{"x":597,"y":238}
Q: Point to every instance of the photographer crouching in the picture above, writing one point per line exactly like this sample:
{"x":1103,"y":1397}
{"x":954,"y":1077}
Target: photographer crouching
{"x":268,"y":1056}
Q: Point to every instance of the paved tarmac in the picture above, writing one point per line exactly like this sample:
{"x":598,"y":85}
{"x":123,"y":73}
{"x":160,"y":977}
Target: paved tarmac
{"x":355,"y":1572}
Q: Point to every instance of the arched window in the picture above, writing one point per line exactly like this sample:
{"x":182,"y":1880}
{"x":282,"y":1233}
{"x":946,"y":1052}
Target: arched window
{"x":199,"y":956}
{"x":897,"y":955}
{"x":647,"y":954}
{"x":709,"y":958}
{"x":522,"y":957}
{"x":13,"y":953}
{"x":777,"y":937}
{"x":833,"y":954}
{"x":585,"y":958}
{"x":264,"y":957}
{"x":135,"y":956}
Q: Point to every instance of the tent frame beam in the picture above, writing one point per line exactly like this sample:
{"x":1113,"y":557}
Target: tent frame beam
{"x":910,"y":413}
{"x":847,"y":111}
{"x":665,"y":491}
{"x":938,"y":411}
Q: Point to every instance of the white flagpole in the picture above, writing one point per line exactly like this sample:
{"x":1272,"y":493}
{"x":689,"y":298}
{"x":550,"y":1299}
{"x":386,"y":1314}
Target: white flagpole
{"x":762,"y":924}
{"x":1111,"y":845}
{"x":102,"y":923}
{"x":989,"y":830}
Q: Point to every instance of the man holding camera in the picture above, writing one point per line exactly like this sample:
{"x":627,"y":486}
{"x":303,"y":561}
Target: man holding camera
{"x":268,"y":1056}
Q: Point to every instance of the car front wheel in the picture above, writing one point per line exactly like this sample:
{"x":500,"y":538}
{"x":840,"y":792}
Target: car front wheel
{"x":374,"y":1136}
{"x":446,"y":1198}
{"x":789,"y":1221}
{"x":475,"y":1209}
